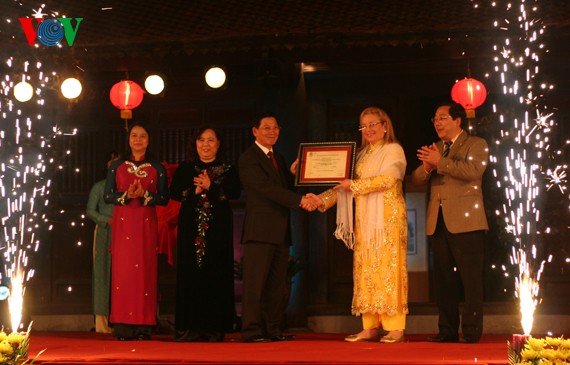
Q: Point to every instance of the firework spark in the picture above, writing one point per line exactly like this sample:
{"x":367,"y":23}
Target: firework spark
{"x":26,"y":157}
{"x":23,"y":181}
{"x":525,"y":142}
{"x":557,"y":177}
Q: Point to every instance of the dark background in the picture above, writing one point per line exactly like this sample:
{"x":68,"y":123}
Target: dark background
{"x":316,"y":65}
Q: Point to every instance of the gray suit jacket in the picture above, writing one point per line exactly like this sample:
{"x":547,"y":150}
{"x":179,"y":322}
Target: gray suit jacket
{"x":456,"y":186}
{"x":269,"y":197}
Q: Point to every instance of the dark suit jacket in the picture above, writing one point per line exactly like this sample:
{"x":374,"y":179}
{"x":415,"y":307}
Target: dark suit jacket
{"x":269,"y":197}
{"x":455,"y":186}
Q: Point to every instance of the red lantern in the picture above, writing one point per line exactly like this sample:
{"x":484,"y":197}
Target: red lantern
{"x":126,"y":95}
{"x":470,"y":93}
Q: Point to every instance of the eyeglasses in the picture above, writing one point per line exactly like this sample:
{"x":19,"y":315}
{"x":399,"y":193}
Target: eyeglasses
{"x":440,"y":118}
{"x":369,"y":125}
{"x":267,"y":129}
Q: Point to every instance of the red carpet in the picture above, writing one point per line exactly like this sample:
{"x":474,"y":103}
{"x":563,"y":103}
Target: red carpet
{"x":309,"y":348}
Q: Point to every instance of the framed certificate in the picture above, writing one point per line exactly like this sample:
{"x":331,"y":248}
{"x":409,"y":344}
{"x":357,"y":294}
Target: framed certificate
{"x":325,"y":164}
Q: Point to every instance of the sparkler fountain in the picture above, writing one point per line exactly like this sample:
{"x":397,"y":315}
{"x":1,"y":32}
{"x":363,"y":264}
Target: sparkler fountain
{"x":26,"y":155}
{"x":23,"y":181}
{"x":524,"y":131}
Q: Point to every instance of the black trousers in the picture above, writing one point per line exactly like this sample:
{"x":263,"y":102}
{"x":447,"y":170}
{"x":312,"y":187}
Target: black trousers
{"x":458,"y":269}
{"x":264,"y":289}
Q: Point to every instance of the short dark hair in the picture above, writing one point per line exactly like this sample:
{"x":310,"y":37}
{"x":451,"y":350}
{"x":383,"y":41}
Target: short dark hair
{"x":256,"y":122}
{"x":455,"y":110}
{"x":191,"y":152}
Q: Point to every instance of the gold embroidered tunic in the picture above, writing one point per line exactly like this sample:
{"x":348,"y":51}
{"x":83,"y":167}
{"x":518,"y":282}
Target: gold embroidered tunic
{"x":380,"y":270}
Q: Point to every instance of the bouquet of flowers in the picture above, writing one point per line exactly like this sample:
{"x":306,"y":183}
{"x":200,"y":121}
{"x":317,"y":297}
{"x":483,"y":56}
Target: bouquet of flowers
{"x":14,"y":348}
{"x":542,"y":351}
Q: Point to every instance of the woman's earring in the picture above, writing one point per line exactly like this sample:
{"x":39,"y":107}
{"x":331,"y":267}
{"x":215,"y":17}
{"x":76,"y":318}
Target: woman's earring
{"x":385,"y":131}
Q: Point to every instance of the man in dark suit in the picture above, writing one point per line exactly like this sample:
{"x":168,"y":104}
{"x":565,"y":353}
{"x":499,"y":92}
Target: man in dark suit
{"x":455,"y":222}
{"x":268,"y":185}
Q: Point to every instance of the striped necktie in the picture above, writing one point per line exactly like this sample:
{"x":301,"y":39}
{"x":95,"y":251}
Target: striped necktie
{"x":446,"y":148}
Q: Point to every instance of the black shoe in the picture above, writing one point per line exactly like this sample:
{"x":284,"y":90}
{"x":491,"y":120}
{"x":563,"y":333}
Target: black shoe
{"x":283,"y":338}
{"x":211,"y":336}
{"x":469,"y":339}
{"x":443,"y":338}
{"x":186,"y":336}
{"x":181,"y":336}
{"x":124,"y":332}
{"x":257,"y":339}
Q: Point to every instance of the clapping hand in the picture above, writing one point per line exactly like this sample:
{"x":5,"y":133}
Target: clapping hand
{"x":135,"y":190}
{"x":430,"y":156}
{"x":202,"y":182}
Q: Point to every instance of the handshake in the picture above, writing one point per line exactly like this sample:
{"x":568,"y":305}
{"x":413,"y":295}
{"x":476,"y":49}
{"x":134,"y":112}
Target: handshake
{"x":310,"y":202}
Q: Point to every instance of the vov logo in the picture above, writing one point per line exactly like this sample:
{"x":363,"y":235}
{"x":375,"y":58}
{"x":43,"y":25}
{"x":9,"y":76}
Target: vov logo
{"x":50,"y":32}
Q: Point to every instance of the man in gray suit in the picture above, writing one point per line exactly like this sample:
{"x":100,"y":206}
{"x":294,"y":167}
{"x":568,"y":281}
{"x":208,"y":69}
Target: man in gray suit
{"x":455,"y":222}
{"x":268,"y":185}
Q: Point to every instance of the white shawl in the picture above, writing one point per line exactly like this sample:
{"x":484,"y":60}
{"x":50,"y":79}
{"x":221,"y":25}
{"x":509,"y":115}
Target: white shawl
{"x":376,"y":160}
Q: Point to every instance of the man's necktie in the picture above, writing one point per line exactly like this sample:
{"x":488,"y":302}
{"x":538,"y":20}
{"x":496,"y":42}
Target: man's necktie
{"x":446,"y":148}
{"x":272,"y":157}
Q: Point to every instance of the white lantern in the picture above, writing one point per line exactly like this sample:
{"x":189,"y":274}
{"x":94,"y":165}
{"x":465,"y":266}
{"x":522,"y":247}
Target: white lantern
{"x":215,"y":77}
{"x":71,"y":88}
{"x":154,"y":84}
{"x":23,"y":91}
